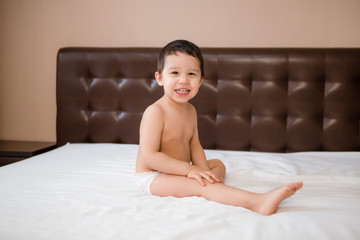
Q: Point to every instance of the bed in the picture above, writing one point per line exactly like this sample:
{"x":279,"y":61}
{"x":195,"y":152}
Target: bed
{"x":271,"y":115}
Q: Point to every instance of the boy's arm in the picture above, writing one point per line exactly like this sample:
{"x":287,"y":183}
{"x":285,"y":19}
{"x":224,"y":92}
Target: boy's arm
{"x":150,"y":137}
{"x":201,"y":169}
{"x":198,"y":157}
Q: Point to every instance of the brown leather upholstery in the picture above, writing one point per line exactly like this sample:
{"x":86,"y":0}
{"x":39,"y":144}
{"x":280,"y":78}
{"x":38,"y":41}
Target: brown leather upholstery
{"x":274,"y":100}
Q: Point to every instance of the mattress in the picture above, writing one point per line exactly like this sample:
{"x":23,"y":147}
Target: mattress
{"x":87,"y":191}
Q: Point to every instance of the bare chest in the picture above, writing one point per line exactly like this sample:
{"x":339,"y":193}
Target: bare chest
{"x":178,"y":129}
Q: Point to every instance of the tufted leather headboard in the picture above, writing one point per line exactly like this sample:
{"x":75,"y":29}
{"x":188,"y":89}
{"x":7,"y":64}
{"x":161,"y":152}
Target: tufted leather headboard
{"x":273,"y":100}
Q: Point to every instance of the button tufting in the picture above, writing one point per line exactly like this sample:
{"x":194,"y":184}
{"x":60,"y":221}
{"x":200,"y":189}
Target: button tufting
{"x":278,"y":100}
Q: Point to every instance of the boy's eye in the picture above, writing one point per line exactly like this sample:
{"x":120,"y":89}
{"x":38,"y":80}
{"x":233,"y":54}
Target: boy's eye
{"x":192,"y":74}
{"x":174,"y":72}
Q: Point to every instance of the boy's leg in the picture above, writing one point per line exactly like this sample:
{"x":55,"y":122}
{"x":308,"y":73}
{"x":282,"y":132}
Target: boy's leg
{"x":179,"y":186}
{"x":265,"y":204}
{"x":165,"y":185}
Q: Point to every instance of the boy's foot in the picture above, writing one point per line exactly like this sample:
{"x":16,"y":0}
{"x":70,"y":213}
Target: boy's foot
{"x":271,"y":200}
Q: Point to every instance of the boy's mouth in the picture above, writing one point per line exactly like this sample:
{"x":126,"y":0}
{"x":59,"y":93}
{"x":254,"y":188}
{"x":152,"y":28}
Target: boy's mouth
{"x":182,"y":90}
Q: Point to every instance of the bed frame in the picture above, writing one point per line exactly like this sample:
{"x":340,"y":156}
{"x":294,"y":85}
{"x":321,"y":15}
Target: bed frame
{"x":270,"y":100}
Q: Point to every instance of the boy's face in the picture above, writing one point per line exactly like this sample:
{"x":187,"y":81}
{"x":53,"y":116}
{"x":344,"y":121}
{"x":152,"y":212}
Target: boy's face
{"x":181,"y":77}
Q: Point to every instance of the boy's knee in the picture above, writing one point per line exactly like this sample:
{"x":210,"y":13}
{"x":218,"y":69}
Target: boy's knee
{"x":219,"y":162}
{"x":216,"y":163}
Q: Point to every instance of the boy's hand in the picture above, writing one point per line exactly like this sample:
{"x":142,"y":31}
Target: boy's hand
{"x":200,"y":174}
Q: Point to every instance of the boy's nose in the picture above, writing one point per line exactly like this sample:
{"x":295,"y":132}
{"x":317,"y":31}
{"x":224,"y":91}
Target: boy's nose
{"x":183,"y":79}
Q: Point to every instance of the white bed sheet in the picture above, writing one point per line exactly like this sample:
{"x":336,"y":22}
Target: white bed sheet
{"x":86,"y":191}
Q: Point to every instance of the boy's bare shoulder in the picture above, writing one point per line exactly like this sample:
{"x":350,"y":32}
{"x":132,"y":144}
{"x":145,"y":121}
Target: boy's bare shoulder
{"x":155,"y":109}
{"x":192,"y":109}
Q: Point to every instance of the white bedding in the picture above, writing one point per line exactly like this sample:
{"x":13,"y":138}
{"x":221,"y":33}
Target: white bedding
{"x":85,"y":191}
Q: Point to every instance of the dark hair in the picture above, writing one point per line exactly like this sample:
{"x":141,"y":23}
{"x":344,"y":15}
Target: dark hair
{"x":183,"y":46}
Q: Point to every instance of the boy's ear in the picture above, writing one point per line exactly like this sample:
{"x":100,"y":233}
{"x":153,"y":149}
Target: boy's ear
{"x":158,"y":79}
{"x":201,"y":80}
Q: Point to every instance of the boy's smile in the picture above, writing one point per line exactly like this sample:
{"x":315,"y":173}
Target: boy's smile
{"x":182,"y":91}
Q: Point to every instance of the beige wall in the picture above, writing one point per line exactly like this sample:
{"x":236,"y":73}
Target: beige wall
{"x":33,"y":30}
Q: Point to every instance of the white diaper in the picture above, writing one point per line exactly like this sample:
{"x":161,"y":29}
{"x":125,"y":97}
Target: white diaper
{"x":143,"y":180}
